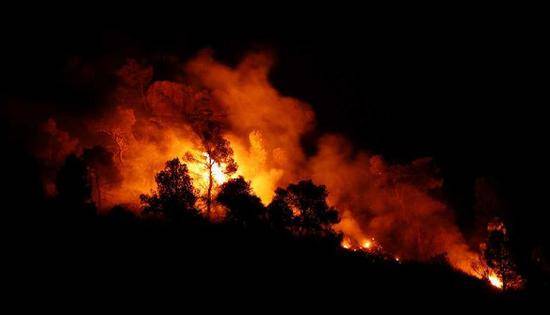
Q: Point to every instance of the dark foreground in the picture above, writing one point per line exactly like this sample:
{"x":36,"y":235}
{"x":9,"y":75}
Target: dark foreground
{"x":51,"y":258}
{"x":132,"y":261}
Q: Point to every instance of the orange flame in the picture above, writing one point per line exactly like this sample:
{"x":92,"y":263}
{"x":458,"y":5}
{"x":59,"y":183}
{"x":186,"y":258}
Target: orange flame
{"x":367,"y":244}
{"x":346,"y":243}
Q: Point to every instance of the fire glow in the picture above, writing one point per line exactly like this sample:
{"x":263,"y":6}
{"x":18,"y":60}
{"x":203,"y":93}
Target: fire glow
{"x":495,"y":280}
{"x":217,"y":172}
{"x":366,"y":244}
{"x":148,"y":123}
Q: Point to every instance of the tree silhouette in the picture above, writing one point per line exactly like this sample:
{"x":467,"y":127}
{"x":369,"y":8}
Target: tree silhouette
{"x":218,"y":151}
{"x":279,"y":214}
{"x":134,"y":78}
{"x":242,"y":205}
{"x":102,"y":169}
{"x":208,"y":126}
{"x":498,"y":256}
{"x":307,"y":201}
{"x":205,"y":116}
{"x":74,"y":192}
{"x":175,"y":196}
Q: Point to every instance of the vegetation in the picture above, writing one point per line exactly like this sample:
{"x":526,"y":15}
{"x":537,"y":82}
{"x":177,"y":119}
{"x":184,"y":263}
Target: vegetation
{"x":175,"y":197}
{"x":286,"y":242}
{"x":74,"y":191}
{"x":498,"y":256}
{"x":243,"y":207}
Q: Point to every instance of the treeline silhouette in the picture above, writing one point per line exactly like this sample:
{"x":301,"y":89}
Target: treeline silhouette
{"x":275,"y":252}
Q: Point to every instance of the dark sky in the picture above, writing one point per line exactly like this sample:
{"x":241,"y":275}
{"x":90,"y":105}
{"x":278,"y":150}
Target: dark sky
{"x":463,"y":86}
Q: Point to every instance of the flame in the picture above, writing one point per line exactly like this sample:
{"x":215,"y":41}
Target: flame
{"x":346,"y":243}
{"x":198,"y":168}
{"x":367,"y":244}
{"x":217,"y":171}
{"x":495,"y":280}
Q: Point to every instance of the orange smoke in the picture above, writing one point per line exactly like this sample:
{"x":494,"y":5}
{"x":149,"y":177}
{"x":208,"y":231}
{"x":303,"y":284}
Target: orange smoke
{"x":264,"y":126}
{"x":149,"y":123}
{"x":394,"y":203}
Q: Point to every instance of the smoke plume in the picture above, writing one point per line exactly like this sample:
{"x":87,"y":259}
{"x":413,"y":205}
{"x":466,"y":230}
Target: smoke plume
{"x":147,"y":123}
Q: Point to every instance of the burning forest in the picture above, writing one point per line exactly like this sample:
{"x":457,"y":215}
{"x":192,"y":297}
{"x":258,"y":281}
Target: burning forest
{"x":220,"y":143}
{"x":379,"y":161}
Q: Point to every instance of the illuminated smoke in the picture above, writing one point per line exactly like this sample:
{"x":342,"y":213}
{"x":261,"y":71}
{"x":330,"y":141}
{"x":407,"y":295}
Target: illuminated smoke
{"x":150,"y":123}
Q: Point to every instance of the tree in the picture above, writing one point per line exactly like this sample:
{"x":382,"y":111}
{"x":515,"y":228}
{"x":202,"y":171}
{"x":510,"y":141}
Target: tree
{"x":102,"y":169}
{"x":307,"y":201}
{"x":498,"y":256}
{"x":205,"y":116}
{"x":175,"y":196}
{"x":74,"y":191}
{"x":243,"y":207}
{"x":208,"y":127}
{"x":217,"y":151}
{"x":134,"y":78}
{"x":487,"y":205}
{"x":279,"y":214}
{"x":172,"y":102}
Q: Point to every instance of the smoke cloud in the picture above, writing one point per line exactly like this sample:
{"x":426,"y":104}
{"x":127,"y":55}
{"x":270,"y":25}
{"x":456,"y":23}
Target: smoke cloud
{"x":148,"y":123}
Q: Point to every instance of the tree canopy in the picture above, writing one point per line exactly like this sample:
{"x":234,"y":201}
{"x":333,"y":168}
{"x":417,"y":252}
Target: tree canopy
{"x":74,"y":191}
{"x":175,"y":196}
{"x":311,"y":214}
{"x":243,"y":207}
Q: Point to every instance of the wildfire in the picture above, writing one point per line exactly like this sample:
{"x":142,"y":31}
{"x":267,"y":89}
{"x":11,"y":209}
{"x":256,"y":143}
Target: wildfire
{"x":495,"y":280}
{"x":264,"y":130}
{"x":199,"y":165}
{"x":217,"y":173}
{"x":346,"y":243}
{"x":367,"y":244}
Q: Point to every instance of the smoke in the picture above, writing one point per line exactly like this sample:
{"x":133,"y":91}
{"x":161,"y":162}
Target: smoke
{"x":394,"y":203}
{"x":149,"y":123}
{"x":265,"y":127}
